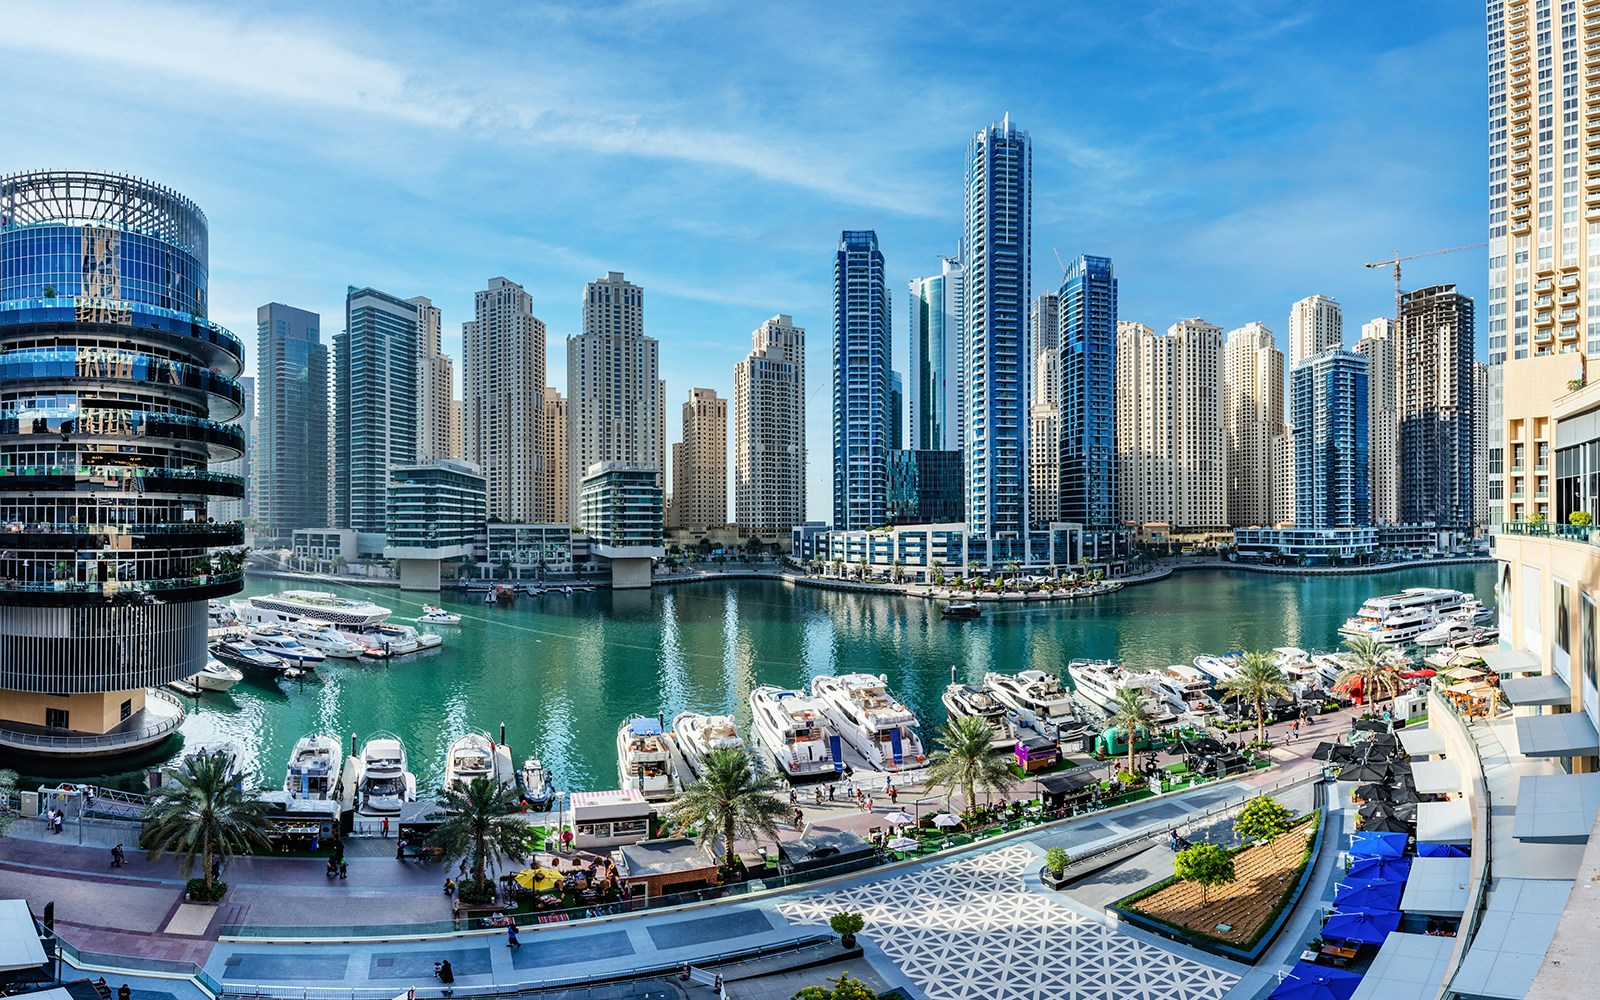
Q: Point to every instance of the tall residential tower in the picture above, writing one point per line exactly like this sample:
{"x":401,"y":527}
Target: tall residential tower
{"x":503,"y":353}
{"x":375,"y":403}
{"x":935,"y":359}
{"x":700,"y":465}
{"x":861,"y":360}
{"x":291,"y":470}
{"x":1087,"y":378}
{"x":769,"y":430}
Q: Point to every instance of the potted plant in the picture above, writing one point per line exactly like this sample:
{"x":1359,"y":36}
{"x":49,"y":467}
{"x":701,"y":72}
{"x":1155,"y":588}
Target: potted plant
{"x":847,"y":925}
{"x":1054,"y":874}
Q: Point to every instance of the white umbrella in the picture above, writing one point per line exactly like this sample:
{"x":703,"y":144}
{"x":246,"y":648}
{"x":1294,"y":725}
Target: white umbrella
{"x":900,"y":818}
{"x":902,"y":844}
{"x":946,"y":820}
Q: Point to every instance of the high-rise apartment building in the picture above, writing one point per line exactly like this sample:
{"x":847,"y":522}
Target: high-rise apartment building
{"x":700,"y":465}
{"x":1044,"y":412}
{"x":375,"y":404}
{"x":1086,"y":384}
{"x":503,"y":350}
{"x":438,"y":436}
{"x":1316,"y":324}
{"x":291,"y":469}
{"x":861,"y":358}
{"x":243,"y":466}
{"x":996,"y":249}
{"x":937,"y":305}
{"x":1480,"y":442}
{"x":616,"y":407}
{"x":555,"y":496}
{"x":1383,"y":421}
{"x":1434,"y":397}
{"x":897,"y":410}
{"x":769,"y":430}
{"x":1330,"y":441}
{"x":1252,"y":386}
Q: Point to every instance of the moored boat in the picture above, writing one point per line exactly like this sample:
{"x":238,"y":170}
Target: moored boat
{"x":538,"y":790}
{"x":475,"y":755}
{"x":286,"y":647}
{"x":1040,"y":700}
{"x":963,"y":609}
{"x":249,"y":658}
{"x":877,"y":725}
{"x":644,"y":759}
{"x":325,"y":639}
{"x":320,"y":606}
{"x":216,"y":676}
{"x":313,"y":771}
{"x":979,"y":701}
{"x":793,"y":730}
{"x":697,"y":735}
{"x":384,"y":783}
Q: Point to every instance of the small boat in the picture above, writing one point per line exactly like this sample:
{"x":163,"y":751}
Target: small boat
{"x":475,"y":755}
{"x":249,"y":658}
{"x":435,"y":615}
{"x":875,"y":723}
{"x":963,"y":610}
{"x":489,"y":597}
{"x":216,"y":676}
{"x":219,"y":615}
{"x":1039,"y":701}
{"x":313,"y":767}
{"x":697,"y":735}
{"x":537,"y":787}
{"x":286,"y":647}
{"x":793,"y":730}
{"x":391,"y":640}
{"x":325,"y":639}
{"x":384,"y":783}
{"x":186,"y":687}
{"x":1446,"y":631}
{"x":1190,"y":687}
{"x":644,"y":759}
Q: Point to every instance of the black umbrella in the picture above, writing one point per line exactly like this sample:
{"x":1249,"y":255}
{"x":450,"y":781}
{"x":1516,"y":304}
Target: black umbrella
{"x":1324,"y":751}
{"x":1386,"y":740}
{"x":1387,"y":824}
{"x":1404,"y":794}
{"x":1344,"y":755}
{"x":1373,"y":792}
{"x":1400,"y":769}
{"x":1404,"y":813}
{"x":1365,"y":772}
{"x":1370,"y":726}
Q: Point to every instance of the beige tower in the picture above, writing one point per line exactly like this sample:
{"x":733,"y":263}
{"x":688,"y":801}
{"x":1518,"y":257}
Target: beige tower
{"x":1383,"y":420}
{"x":1316,"y":324}
{"x":700,"y":465}
{"x":1044,"y":413}
{"x":769,"y":430}
{"x":504,"y":399}
{"x":1253,"y":416}
{"x":553,"y":484}
{"x":436,"y":389}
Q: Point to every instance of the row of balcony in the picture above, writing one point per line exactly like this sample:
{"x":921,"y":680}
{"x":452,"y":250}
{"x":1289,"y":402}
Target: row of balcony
{"x":124,"y":477}
{"x":196,"y":587}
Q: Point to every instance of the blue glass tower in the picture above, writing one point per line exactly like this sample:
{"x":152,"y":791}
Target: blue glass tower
{"x":861,"y":385}
{"x":937,"y":303}
{"x":996,"y":245}
{"x":1331,"y":488}
{"x":1088,"y":352}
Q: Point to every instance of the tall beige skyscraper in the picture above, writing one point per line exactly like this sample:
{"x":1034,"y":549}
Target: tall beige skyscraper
{"x":1044,"y":413}
{"x":700,"y":465}
{"x":1316,"y":324}
{"x":616,"y":402}
{"x":1252,"y":384}
{"x":438,"y":434}
{"x":1383,"y":419}
{"x":503,"y":401}
{"x":556,"y":497}
{"x":769,"y":430}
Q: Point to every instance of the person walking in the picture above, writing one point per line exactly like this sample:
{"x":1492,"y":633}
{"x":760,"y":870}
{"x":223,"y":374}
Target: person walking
{"x":400,"y":850}
{"x":511,"y":935}
{"x":386,"y":826}
{"x":894,"y":795}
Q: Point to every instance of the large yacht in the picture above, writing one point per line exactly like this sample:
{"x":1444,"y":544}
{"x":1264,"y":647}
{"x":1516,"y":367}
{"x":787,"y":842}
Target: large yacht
{"x":1096,"y":681}
{"x":325,"y":639}
{"x":383,"y":783}
{"x":880,"y":728}
{"x":978,"y":701}
{"x":1219,"y":668}
{"x":697,"y":735}
{"x":1404,"y":616}
{"x":248,"y":657}
{"x":1039,"y":701}
{"x":475,"y":755}
{"x":644,"y":759}
{"x":1446,"y":631}
{"x":286,"y":647}
{"x":314,"y":767}
{"x":315,"y":604}
{"x":792,"y":728}
{"x":216,"y":676}
{"x":1191,"y":687}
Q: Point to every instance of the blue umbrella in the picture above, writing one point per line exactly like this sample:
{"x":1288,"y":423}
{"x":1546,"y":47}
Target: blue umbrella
{"x":1379,"y":894}
{"x":1373,"y":869}
{"x":1308,"y":981}
{"x":1361,"y":926}
{"x":1443,"y":851}
{"x":1370,"y":844}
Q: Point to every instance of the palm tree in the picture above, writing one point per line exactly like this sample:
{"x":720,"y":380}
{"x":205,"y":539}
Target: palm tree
{"x":1258,"y":679}
{"x":1129,"y":715}
{"x":481,"y":826}
{"x":731,"y":799}
{"x":204,"y":814}
{"x":965,"y":762}
{"x":1374,"y":668}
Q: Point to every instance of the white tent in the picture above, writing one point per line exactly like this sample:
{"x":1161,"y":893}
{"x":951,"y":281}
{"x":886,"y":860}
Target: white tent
{"x":19,"y":938}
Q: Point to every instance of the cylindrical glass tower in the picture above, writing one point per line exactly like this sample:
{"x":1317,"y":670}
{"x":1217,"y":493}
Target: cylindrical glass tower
{"x":116,"y":394}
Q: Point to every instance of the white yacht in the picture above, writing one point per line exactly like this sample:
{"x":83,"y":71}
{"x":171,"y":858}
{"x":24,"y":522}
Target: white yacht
{"x":286,"y":647}
{"x":697,"y":735}
{"x":537,"y":787}
{"x":435,"y":615}
{"x":325,"y":639}
{"x":294,"y":604}
{"x":880,"y":728}
{"x":1162,"y":701}
{"x":216,"y":676}
{"x":975,"y":701}
{"x":383,"y":783}
{"x":219,"y":615}
{"x":1096,"y":681}
{"x":1039,"y":701}
{"x":389,"y":640}
{"x":314,"y":767}
{"x":1191,"y":687}
{"x":1404,"y":616}
{"x":644,"y":759}
{"x":1446,"y":631}
{"x":1218,"y":668}
{"x":475,"y":755}
{"x":791,"y":726}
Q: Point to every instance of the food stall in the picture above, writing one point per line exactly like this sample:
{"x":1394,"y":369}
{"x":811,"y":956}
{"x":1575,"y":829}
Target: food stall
{"x":610,"y":818}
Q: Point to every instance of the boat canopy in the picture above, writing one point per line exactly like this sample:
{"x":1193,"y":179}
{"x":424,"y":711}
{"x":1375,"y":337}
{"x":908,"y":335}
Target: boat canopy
{"x":644,"y":727}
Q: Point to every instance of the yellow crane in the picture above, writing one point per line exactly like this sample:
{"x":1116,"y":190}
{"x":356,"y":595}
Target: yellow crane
{"x":1395,"y":263}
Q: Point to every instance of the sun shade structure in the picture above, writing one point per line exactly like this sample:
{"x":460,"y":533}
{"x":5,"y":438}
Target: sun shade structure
{"x":1444,"y":851}
{"x":1512,"y":938}
{"x":1437,"y":887}
{"x":1393,"y":869}
{"x":1408,"y":967}
{"x":1433,"y":776}
{"x":1570,"y":734}
{"x":1556,"y":808}
{"x":1444,"y":823}
{"x":1309,"y":981}
{"x":1378,"y":845}
{"x":1361,"y":926}
{"x":1370,"y":896}
{"x":1540,"y":689}
{"x":19,"y":938}
{"x":1422,"y":742}
{"x":1511,"y":661}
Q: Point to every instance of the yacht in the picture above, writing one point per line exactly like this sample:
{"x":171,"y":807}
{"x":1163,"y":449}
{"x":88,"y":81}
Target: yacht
{"x":434,"y":615}
{"x":315,"y":604}
{"x":697,"y":735}
{"x":475,"y":755}
{"x":965,"y":609}
{"x":1162,"y":701}
{"x":389,"y":640}
{"x":1403,"y":616}
{"x":384,"y":784}
{"x":1446,"y":631}
{"x":314,"y":767}
{"x":286,"y":647}
{"x":248,"y":657}
{"x":1039,"y":701}
{"x":1096,"y":681}
{"x":1190,"y":686}
{"x":979,"y":701}
{"x":325,"y":639}
{"x":644,"y":759}
{"x":216,"y":676}
{"x":1218,"y":668}
{"x":219,"y":615}
{"x":793,"y":729}
{"x":880,"y":728}
{"x":536,"y":785}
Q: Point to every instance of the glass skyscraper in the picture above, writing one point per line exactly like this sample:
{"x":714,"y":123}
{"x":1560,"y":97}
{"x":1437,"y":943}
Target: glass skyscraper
{"x":1331,"y":470}
{"x":924,"y":487}
{"x":861,"y":384}
{"x":935,"y":359}
{"x":376,"y":406}
{"x":996,"y":246}
{"x":1088,"y":378}
{"x":290,"y":470}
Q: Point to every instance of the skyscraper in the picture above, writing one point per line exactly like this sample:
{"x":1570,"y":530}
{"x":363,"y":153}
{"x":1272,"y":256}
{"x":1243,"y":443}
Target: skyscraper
{"x":996,"y":248}
{"x":1330,"y":441}
{"x":1252,"y":384}
{"x":615,"y":401}
{"x":437,"y":434}
{"x":1087,"y":382}
{"x":897,"y":409}
{"x":553,"y":481}
{"x":291,"y":470}
{"x":769,"y":430}
{"x":503,"y":354}
{"x":375,"y":404}
{"x":1316,"y":324}
{"x":1383,"y":423}
{"x":861,"y":354}
{"x":1434,"y":396}
{"x":1044,"y":411}
{"x":700,"y":465}
{"x":937,"y":304}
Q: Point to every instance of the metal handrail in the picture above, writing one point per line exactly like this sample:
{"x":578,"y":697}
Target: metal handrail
{"x":11,"y":737}
{"x":120,"y":586}
{"x":127,"y":528}
{"x":119,"y":472}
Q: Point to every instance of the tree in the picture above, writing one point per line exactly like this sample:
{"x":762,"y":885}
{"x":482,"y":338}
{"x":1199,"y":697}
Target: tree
{"x":1056,"y":859}
{"x":847,"y":924}
{"x":1206,"y":865}
{"x":1128,"y":714}
{"x":731,"y":799}
{"x":1374,"y":670}
{"x":8,"y":788}
{"x":845,"y":987}
{"x":482,"y":824}
{"x":1258,"y":680}
{"x":1580,"y":518}
{"x":1013,"y":567}
{"x":203,"y":814}
{"x":965,"y":762}
{"x":1262,"y":818}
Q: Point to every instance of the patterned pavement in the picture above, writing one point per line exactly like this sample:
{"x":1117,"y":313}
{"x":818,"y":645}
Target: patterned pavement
{"x":972,"y":929}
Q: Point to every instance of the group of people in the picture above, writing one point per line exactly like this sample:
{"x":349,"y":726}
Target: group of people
{"x":337,"y":865}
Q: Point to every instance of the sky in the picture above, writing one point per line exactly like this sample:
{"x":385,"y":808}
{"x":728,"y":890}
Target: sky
{"x":1230,"y":156}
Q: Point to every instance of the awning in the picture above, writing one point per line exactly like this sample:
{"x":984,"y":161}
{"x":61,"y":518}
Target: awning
{"x":19,"y":938}
{"x":1511,"y":661}
{"x":1444,"y":823}
{"x":1437,"y":887}
{"x":1569,"y":734}
{"x":1512,"y":938}
{"x":1421,"y":742}
{"x":1408,"y":967}
{"x":1539,"y":689}
{"x":1556,"y":808}
{"x":1430,"y":776}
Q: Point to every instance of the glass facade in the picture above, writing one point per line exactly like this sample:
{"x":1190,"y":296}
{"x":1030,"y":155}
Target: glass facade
{"x":291,"y":463}
{"x":861,"y":383}
{"x":924,"y":487}
{"x":1088,"y":352}
{"x":1331,"y":466}
{"x":375,"y":404}
{"x":935,"y":359}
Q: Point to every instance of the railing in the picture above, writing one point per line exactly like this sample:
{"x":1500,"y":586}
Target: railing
{"x":1573,"y":532}
{"x":115,"y":366}
{"x":119,"y":472}
{"x":89,"y":422}
{"x":39,"y":741}
{"x":157,"y":967}
{"x":218,"y":528}
{"x":15,"y":312}
{"x":1482,"y":842}
{"x":113,"y":587}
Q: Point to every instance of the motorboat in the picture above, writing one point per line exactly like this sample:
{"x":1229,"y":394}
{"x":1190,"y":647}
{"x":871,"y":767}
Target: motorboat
{"x":314,"y":767}
{"x":292,"y":605}
{"x":248,"y":657}
{"x":980,"y":701}
{"x":216,"y":676}
{"x":286,"y":647}
{"x":1096,"y":681}
{"x":877,"y":725}
{"x":698,"y":735}
{"x":1446,"y":631}
{"x":384,"y":784}
{"x":644,"y":759}
{"x":1401,"y":617}
{"x":537,"y":787}
{"x":962,"y":610}
{"x":792,"y":727}
{"x":1292,"y":660}
{"x":1039,"y":701}
{"x":434,"y":615}
{"x":1162,"y":701}
{"x":219,"y":615}
{"x":325,"y":639}
{"x":1218,"y":668}
{"x":1191,"y":687}
{"x":475,"y":755}
{"x":390,"y":640}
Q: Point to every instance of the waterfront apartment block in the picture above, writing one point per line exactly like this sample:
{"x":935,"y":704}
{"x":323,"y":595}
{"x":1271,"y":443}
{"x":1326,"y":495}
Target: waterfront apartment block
{"x":861,"y":362}
{"x":323,"y":550}
{"x":1434,"y":396}
{"x":925,"y":487}
{"x":769,"y":430}
{"x":937,"y":306}
{"x":622,"y":507}
{"x":1330,"y":392}
{"x":1383,"y":421}
{"x":924,"y":553}
{"x":1044,"y":412}
{"x":555,"y":496}
{"x":1529,"y":391}
{"x":375,"y":405}
{"x":1253,"y":415}
{"x":118,"y":395}
{"x":700,"y":465}
{"x":503,"y":349}
{"x":290,"y":470}
{"x":1085,"y":393}
{"x":436,"y":515}
{"x":516,"y":550}
{"x":438,"y":416}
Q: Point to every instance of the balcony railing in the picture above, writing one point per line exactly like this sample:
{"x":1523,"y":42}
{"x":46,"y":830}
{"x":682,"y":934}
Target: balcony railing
{"x":1571,"y":532}
{"x":164,"y":717}
{"x":113,"y":587}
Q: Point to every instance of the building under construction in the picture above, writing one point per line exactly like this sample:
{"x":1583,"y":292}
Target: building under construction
{"x":1435,"y":399}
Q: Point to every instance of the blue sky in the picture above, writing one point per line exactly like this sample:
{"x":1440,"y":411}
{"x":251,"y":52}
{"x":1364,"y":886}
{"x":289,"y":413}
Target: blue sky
{"x":1231,"y":156}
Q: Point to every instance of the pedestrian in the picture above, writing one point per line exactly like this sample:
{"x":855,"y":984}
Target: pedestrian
{"x":60,"y":819}
{"x":124,"y":992}
{"x":449,"y":888}
{"x":511,"y":935}
{"x":794,"y":799}
{"x":566,"y":838}
{"x":799,"y":818}
{"x":117,"y":857}
{"x":819,"y":796}
{"x":894,"y":795}
{"x":344,"y":869}
{"x":869,"y":803}
{"x":400,"y":849}
{"x":461,"y":872}
{"x":338,"y":850}
{"x":386,"y":826}
{"x":830,"y":791}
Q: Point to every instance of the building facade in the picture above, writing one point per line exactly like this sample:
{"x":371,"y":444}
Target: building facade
{"x":1316,"y":325}
{"x":700,"y":465}
{"x":925,"y":487}
{"x":1433,"y":361}
{"x":861,"y":364}
{"x":375,"y":405}
{"x":436,"y":515}
{"x":937,"y":308}
{"x":1253,"y":414}
{"x":291,"y":468}
{"x":1383,"y":422}
{"x":438,"y":433}
{"x":239,"y":510}
{"x":514,"y":550}
{"x":503,"y":350}
{"x":556,"y":497}
{"x":1330,"y":443}
{"x":622,"y":505}
{"x":1085,"y":387}
{"x":769,"y":430}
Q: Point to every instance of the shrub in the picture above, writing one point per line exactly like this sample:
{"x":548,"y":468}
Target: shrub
{"x":1056,"y":859}
{"x":845,"y":987}
{"x":199,"y":893}
{"x":1580,"y":518}
{"x":475,"y":895}
{"x":846,"y":923}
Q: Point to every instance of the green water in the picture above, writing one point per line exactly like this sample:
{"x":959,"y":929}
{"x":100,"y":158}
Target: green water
{"x":561,"y":673}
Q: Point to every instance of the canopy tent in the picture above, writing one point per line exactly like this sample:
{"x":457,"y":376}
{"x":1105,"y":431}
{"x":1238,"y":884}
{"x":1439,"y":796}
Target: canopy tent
{"x":1434,"y":776}
{"x":1372,"y":869}
{"x":1387,"y":824}
{"x":1408,"y":967}
{"x":1444,"y":851}
{"x":1361,"y":926}
{"x":1309,"y":981}
{"x":1444,"y":823}
{"x":1378,"y":845}
{"x":1422,"y":742}
{"x":1372,"y":896}
{"x":1437,"y":887}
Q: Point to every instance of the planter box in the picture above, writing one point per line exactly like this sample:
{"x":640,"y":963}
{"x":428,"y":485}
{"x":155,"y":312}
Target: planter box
{"x":1052,"y":880}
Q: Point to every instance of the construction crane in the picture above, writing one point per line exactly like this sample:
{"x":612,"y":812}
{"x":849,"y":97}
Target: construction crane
{"x":1395,"y":263}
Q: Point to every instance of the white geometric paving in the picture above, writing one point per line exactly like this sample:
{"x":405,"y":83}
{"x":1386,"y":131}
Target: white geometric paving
{"x":972,"y":929}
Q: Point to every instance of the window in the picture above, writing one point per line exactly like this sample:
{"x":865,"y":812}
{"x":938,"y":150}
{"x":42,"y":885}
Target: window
{"x":56,"y":718}
{"x":127,"y":710}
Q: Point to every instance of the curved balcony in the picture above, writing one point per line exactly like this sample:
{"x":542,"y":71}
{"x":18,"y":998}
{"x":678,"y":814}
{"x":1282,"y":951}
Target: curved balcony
{"x":70,"y":592}
{"x":128,"y":478}
{"x":224,"y":441}
{"x":212,"y":344}
{"x":55,"y":537}
{"x":84,"y":364}
{"x":160,"y":718}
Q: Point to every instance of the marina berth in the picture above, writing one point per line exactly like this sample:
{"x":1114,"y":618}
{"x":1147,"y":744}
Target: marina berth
{"x":872,"y":722}
{"x":791,"y":726}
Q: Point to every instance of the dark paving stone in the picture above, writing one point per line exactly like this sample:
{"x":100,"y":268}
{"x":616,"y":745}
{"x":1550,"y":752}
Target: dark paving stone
{"x":682,"y":933}
{"x":414,"y":963}
{"x":569,"y":950}
{"x":1165,"y":810}
{"x":278,"y":966}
